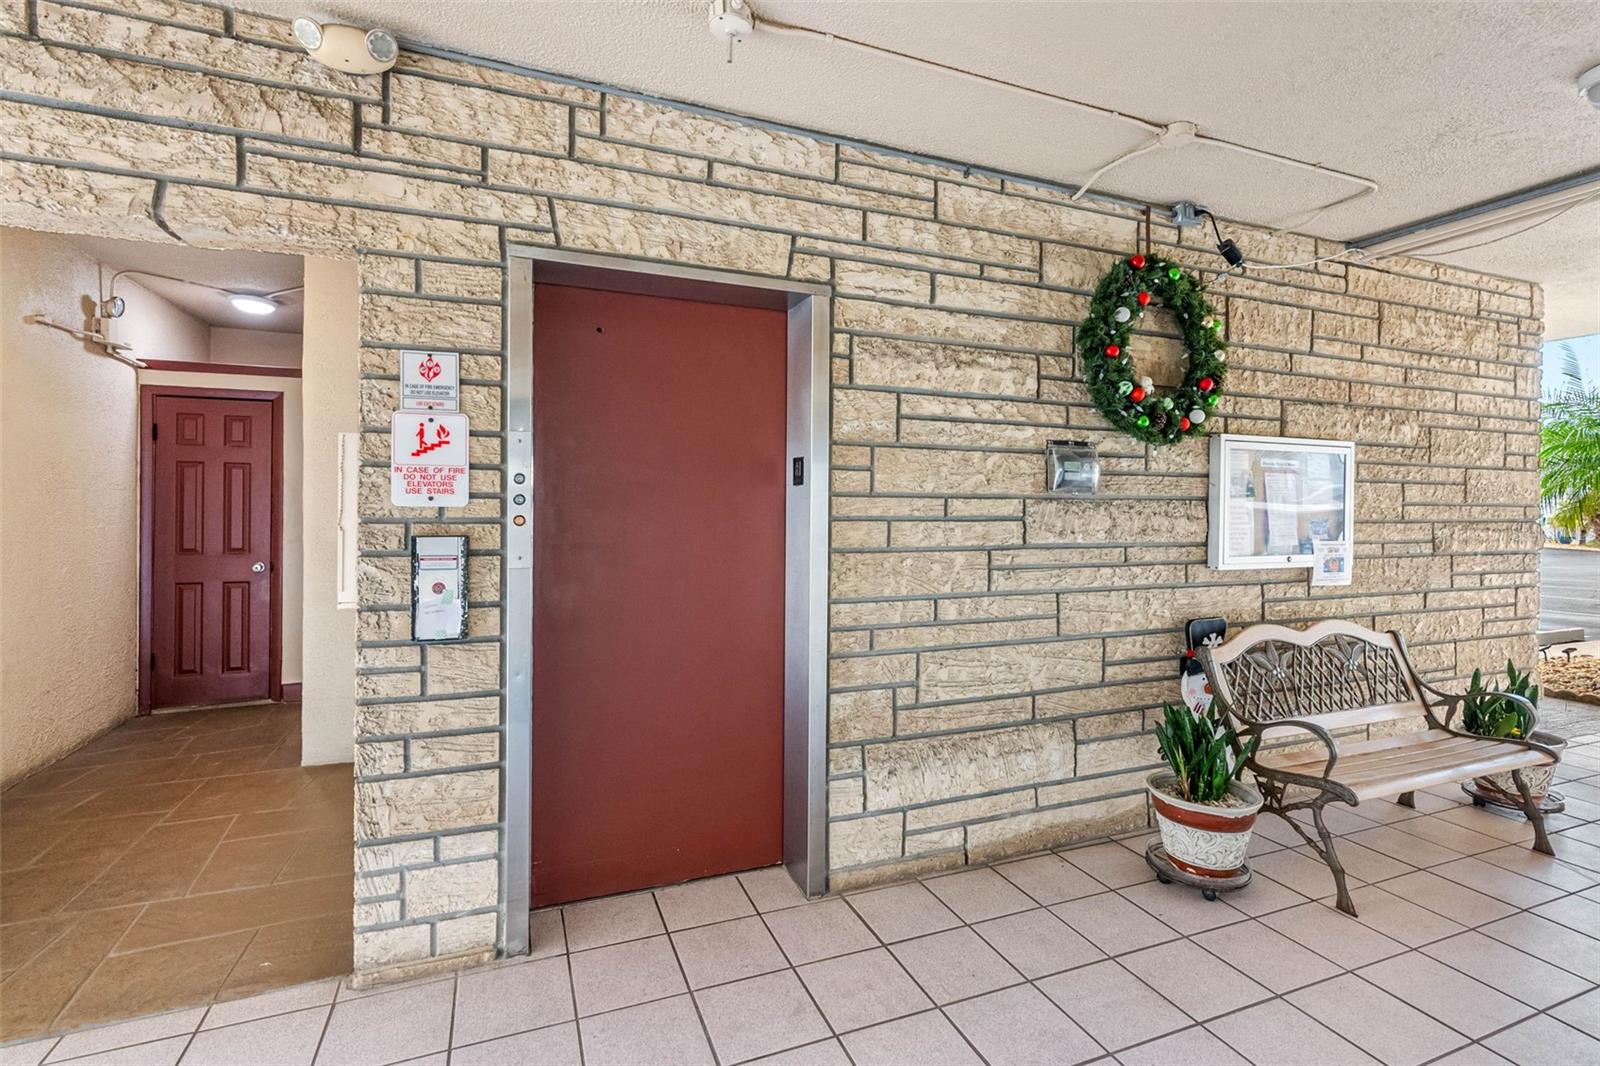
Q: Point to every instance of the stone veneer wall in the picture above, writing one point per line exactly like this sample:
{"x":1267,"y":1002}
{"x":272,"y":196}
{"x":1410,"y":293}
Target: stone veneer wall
{"x":996,"y":653}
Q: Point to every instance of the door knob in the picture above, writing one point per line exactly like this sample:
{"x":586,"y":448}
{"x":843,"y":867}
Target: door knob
{"x":257,"y":568}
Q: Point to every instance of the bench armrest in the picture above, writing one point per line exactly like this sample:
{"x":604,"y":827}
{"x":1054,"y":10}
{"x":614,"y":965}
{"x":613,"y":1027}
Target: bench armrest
{"x":1256,"y":729}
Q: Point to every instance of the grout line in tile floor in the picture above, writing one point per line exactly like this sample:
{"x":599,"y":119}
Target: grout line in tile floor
{"x":256,"y":743}
{"x":572,"y":985}
{"x":1131,"y":844}
{"x":677,"y":959}
{"x":849,"y":896}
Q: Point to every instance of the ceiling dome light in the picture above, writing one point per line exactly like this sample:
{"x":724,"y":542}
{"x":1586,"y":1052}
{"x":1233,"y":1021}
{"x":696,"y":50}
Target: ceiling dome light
{"x":347,"y":48}
{"x":252,"y":305}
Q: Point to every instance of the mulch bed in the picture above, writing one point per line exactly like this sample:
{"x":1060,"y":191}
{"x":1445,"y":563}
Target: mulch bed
{"x":1577,"y":678}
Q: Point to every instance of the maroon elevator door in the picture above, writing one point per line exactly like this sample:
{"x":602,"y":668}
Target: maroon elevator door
{"x":210,"y":550}
{"x":659,"y":480}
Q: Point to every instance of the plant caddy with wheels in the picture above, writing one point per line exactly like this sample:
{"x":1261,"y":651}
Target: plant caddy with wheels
{"x":1204,"y":812}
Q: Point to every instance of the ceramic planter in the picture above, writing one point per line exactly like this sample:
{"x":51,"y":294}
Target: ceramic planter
{"x":1200,"y":839}
{"x":1500,"y":786}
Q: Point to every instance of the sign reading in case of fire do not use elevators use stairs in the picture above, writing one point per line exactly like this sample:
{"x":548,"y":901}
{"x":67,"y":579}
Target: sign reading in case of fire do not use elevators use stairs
{"x":427,"y":437}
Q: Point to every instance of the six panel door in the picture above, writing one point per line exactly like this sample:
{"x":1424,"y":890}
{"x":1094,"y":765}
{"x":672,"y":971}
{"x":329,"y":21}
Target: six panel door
{"x":211,"y":551}
{"x":659,"y":482}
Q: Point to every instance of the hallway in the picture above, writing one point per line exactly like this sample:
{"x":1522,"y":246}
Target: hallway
{"x":177,"y":860}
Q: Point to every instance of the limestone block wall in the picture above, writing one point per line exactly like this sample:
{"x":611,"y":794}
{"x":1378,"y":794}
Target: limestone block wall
{"x":996,"y":653}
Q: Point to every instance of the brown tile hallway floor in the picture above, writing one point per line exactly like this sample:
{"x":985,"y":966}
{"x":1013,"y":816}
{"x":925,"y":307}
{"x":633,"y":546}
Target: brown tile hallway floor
{"x":176,"y":860}
{"x":1470,"y":949}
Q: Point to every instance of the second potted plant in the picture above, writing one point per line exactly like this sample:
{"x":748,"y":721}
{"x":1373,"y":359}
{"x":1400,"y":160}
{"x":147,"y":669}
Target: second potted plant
{"x":1487,"y":713}
{"x":1205,"y":813}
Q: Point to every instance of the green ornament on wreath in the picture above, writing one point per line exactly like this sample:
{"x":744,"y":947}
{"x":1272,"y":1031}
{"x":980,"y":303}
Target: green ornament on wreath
{"x":1130,"y":402}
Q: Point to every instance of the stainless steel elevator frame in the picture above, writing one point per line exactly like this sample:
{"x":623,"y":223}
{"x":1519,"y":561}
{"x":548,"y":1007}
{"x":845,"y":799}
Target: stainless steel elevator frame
{"x":805,"y":707}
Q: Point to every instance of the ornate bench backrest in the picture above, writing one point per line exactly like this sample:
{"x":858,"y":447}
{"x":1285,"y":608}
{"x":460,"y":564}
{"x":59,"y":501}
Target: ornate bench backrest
{"x":1337,"y":672}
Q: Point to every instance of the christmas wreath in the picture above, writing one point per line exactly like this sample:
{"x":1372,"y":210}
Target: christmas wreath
{"x":1133,"y":404}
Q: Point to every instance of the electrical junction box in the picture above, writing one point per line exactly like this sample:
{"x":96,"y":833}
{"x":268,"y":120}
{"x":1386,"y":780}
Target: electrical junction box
{"x":1072,"y":467}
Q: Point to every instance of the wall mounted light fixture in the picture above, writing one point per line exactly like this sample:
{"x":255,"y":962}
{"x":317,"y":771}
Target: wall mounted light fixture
{"x":347,"y":48}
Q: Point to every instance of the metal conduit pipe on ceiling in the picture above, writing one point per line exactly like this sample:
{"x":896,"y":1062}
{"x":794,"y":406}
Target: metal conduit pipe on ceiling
{"x":1173,"y":134}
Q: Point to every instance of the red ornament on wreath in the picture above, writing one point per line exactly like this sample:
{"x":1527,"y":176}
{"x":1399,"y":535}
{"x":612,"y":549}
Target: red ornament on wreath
{"x":1183,"y":424}
{"x":1112,"y":351}
{"x":1136,"y":261}
{"x":1144,"y":299}
{"x":1206,"y":384}
{"x":1137,"y":395}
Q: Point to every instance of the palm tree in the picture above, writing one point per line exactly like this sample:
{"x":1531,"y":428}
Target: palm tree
{"x":1569,"y":457}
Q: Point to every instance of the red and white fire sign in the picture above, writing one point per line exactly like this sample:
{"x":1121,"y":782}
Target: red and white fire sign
{"x":428,"y":455}
{"x":430,"y":381}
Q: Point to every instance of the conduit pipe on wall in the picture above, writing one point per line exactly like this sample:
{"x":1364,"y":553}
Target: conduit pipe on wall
{"x":107,"y":347}
{"x":1176,"y":133}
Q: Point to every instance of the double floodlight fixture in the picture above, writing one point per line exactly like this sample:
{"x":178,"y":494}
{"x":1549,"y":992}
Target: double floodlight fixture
{"x":347,"y":48}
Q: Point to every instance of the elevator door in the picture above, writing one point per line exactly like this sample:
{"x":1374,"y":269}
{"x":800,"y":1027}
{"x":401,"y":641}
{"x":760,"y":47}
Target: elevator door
{"x":659,"y":481}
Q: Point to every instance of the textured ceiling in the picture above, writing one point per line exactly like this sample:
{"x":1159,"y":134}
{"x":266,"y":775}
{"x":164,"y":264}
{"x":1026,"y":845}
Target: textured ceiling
{"x":1444,"y":104}
{"x":252,"y":272}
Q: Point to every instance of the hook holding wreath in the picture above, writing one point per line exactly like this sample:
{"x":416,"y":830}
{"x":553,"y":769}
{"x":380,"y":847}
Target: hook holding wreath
{"x":1131,"y":403}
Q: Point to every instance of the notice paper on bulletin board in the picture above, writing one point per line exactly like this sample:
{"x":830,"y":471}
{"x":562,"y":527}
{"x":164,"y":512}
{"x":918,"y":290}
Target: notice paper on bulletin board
{"x":1330,"y":562}
{"x":438,"y":588}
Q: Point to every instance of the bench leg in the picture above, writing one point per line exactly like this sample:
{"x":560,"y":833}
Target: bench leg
{"x":1408,"y":799}
{"x":1541,"y":842}
{"x":1331,"y":857}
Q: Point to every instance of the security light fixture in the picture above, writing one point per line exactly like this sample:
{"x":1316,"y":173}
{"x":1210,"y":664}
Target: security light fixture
{"x":1589,"y":85}
{"x":308,"y":33}
{"x":252,"y":305}
{"x":1225,"y":245}
{"x":347,"y":48}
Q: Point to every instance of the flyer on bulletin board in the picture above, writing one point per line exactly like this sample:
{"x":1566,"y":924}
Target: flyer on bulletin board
{"x":1330,"y":562}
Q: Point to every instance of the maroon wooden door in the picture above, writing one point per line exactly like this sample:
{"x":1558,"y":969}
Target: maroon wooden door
{"x":659,"y":476}
{"x":210,"y":594}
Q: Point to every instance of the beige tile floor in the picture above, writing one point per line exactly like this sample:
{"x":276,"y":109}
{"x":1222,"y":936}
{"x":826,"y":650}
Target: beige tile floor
{"x":176,"y":860}
{"x":1470,"y":948}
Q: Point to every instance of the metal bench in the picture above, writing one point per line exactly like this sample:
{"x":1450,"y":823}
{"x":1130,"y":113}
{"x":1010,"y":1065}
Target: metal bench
{"x":1340,"y":678}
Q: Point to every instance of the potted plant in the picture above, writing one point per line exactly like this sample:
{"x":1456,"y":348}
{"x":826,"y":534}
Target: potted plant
{"x":1487,"y":713}
{"x":1204,"y":811}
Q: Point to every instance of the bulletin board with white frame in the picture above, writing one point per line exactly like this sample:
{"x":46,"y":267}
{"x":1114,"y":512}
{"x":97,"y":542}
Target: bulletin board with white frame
{"x":1274,"y":498}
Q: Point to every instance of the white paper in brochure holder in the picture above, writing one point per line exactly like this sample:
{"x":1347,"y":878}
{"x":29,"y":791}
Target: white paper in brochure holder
{"x":1331,"y":562}
{"x":438,"y":588}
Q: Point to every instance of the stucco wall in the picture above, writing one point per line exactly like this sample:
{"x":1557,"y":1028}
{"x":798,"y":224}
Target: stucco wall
{"x":152,"y":326}
{"x":68,"y":526}
{"x":996,"y":653}
{"x":254,"y":347}
{"x":330,"y":391}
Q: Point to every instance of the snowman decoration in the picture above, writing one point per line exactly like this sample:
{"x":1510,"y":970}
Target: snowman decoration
{"x":1192,"y":682}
